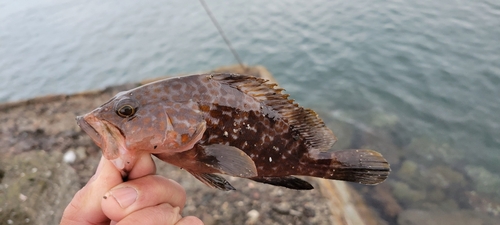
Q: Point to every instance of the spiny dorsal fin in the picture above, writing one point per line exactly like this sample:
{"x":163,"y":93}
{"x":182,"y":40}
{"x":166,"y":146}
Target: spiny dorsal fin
{"x":305,"y":121}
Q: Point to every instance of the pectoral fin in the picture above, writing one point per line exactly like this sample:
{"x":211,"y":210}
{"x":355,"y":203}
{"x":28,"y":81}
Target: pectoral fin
{"x":214,"y":181}
{"x":228,"y":160}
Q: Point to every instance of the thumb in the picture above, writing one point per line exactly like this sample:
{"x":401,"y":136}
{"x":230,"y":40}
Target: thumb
{"x":85,"y":207}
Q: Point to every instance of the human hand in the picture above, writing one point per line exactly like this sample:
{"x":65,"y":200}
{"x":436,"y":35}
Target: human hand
{"x":144,"y":199}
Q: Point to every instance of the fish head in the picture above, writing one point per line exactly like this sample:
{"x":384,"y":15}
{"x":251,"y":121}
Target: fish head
{"x":128,"y":125}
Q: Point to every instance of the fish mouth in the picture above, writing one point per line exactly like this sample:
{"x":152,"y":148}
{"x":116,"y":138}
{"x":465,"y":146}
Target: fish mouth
{"x":111,"y":141}
{"x":90,"y":130}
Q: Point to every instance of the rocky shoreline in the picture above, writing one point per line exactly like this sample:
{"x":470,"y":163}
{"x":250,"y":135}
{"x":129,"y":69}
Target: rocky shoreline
{"x":46,"y":158}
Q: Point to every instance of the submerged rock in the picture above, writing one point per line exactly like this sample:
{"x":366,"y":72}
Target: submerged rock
{"x":408,"y":169}
{"x":381,"y":119}
{"x":426,"y":149}
{"x":407,"y":195}
{"x":443,"y":177}
{"x":483,"y":204}
{"x":438,"y":217}
{"x":485,"y":182}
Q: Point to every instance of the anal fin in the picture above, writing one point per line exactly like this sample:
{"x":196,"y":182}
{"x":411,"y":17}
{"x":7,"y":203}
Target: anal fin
{"x":288,"y":182}
{"x":213,"y":181}
{"x":228,"y":160}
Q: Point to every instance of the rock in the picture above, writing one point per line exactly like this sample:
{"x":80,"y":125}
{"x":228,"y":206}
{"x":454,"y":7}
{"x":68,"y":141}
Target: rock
{"x":408,"y":169}
{"x":444,"y":177}
{"x":309,"y":211}
{"x":436,"y":181}
{"x":438,"y":217}
{"x":294,"y":212}
{"x":436,"y":195}
{"x":381,"y":119}
{"x":426,"y":149}
{"x":253,"y":216}
{"x":412,"y":175}
{"x":382,"y":194}
{"x":404,"y":193}
{"x":283,"y":208}
{"x":81,"y":153}
{"x":485,"y":182}
{"x":36,"y":188}
{"x":483,"y":204}
{"x":69,"y":157}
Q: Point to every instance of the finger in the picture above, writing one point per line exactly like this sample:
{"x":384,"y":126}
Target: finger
{"x":159,"y":214}
{"x":190,"y":220}
{"x":143,"y":167}
{"x":85,"y":207}
{"x":141,"y":193}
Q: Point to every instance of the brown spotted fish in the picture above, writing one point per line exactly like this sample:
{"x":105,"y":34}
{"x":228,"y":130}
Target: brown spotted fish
{"x":230,"y":124}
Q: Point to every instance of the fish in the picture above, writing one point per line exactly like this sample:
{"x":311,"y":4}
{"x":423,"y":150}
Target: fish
{"x":224,"y":123}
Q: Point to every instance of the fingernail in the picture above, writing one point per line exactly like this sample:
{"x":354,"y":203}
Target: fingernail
{"x":124,"y":196}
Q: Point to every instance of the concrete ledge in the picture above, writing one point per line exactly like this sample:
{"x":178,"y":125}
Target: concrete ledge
{"x":46,"y":125}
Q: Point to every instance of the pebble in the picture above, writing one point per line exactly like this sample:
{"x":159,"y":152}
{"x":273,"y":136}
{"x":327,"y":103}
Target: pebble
{"x":81,"y":153}
{"x":23,"y":197}
{"x":69,"y":157}
{"x":282,"y":208}
{"x":253,"y":216}
{"x":309,"y":211}
{"x":294,"y":212}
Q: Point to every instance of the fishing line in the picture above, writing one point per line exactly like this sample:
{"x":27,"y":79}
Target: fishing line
{"x":221,"y":32}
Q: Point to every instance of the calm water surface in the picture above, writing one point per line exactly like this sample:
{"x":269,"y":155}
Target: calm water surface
{"x":418,"y":81}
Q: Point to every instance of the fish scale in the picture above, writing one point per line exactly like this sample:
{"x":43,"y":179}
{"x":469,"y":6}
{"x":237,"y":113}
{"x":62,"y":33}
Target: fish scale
{"x":230,"y":124}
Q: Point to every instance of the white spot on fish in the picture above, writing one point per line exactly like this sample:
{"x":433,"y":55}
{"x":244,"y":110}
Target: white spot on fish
{"x":212,"y":136}
{"x":276,"y":148}
{"x":270,"y":159}
{"x":251,"y":128}
{"x":226,"y":134}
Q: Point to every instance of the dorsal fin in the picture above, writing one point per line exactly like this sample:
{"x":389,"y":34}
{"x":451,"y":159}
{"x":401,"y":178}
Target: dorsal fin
{"x":305,"y":121}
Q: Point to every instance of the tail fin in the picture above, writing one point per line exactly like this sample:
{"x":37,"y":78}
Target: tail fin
{"x":363,"y":166}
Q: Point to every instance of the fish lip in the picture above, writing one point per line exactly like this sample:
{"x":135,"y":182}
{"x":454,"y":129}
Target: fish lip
{"x":90,"y":130}
{"x":112,"y":147}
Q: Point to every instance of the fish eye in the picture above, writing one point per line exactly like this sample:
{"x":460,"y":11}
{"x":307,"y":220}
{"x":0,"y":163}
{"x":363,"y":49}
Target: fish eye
{"x":125,"y":111}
